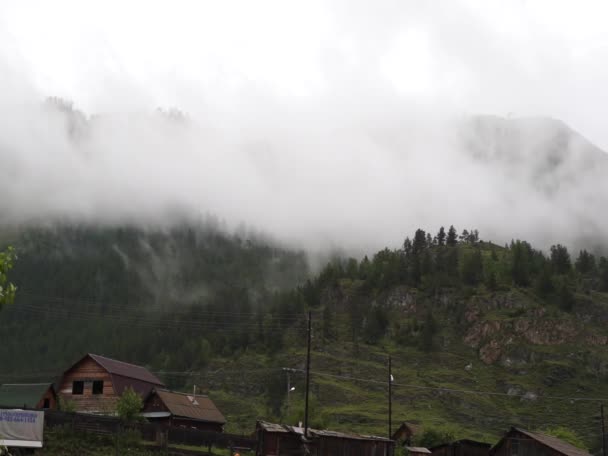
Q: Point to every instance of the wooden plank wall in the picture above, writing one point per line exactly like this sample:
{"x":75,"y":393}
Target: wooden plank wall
{"x":88,"y":370}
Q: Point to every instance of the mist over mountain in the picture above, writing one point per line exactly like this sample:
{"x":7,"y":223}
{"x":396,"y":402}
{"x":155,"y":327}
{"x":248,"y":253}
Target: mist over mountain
{"x":305,"y":181}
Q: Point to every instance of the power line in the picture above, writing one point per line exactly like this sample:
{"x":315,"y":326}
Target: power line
{"x":455,"y":390}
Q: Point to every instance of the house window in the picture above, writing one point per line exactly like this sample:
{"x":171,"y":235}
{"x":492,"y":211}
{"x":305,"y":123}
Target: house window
{"x":77,"y":387}
{"x":514,"y":447}
{"x":47,"y":403}
{"x":98,"y":387}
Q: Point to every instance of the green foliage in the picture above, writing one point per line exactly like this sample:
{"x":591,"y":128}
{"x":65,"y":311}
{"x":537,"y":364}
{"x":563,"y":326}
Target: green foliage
{"x":565,"y":297}
{"x":7,"y":289}
{"x":521,"y":263}
{"x":472,"y":268}
{"x":434,"y":436}
{"x":585,"y":263}
{"x":429,"y":329}
{"x":129,"y":406}
{"x":66,"y":405}
{"x":567,"y":435}
{"x":560,"y":259}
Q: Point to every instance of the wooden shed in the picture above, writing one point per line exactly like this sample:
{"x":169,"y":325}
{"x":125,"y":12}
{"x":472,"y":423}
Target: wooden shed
{"x":95,"y":383}
{"x":28,"y":395}
{"x":463,"y":447}
{"x":282,"y":440}
{"x":183,"y":410}
{"x":525,"y":443}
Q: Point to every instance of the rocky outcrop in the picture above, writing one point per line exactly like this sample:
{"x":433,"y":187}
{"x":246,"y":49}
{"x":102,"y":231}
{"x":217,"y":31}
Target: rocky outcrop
{"x":490,"y":353}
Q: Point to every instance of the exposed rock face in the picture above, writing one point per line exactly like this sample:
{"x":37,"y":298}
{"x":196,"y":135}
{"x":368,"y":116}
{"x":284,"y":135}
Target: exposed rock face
{"x":480,"y":331}
{"x":404,"y":299}
{"x":501,"y":326}
{"x":490,"y":353}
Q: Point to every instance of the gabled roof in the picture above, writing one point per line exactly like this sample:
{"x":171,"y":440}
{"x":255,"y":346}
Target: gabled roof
{"x":198,"y":407}
{"x":282,"y":428}
{"x":22,"y":394}
{"x":554,"y":443}
{"x":127,"y":370}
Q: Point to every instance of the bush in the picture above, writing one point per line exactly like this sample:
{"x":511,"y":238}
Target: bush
{"x":129,"y":406}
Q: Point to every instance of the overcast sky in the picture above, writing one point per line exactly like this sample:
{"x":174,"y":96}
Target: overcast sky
{"x":280,"y":78}
{"x":523,"y":57}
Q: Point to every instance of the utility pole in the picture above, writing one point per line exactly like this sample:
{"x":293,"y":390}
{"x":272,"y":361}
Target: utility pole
{"x":390,"y":399}
{"x":603,"y":430}
{"x":307,"y":374}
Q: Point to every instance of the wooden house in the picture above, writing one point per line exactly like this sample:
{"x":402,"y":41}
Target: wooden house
{"x":281,"y":440}
{"x":463,"y":447}
{"x":183,"y":410}
{"x":518,"y":442}
{"x":406,"y":432}
{"x":95,"y":383}
{"x":28,"y":396}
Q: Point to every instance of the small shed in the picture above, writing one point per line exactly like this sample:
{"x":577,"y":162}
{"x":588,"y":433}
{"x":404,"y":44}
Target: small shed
{"x":463,"y":447}
{"x":28,"y":395}
{"x":175,"y":409}
{"x":520,"y":442}
{"x":417,"y":451}
{"x":406,"y":431}
{"x":95,"y":383}
{"x":283,"y":440}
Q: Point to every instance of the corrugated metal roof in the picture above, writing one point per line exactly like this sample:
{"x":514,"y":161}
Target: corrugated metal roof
{"x":272,"y":427}
{"x":123,"y":369}
{"x":553,"y":442}
{"x":197,"y":407}
{"x":418,"y":450}
{"x":22,"y":394}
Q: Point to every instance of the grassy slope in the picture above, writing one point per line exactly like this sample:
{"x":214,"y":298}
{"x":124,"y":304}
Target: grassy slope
{"x":355,"y":405}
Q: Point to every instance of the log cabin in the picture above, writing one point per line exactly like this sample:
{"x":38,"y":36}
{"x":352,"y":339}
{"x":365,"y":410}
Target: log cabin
{"x":94,"y":383}
{"x":282,"y":440}
{"x":39,"y":396}
{"x":174,"y":409}
{"x":518,"y":442}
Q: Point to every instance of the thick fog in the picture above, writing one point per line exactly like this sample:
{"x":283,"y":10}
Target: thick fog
{"x":324,"y":123}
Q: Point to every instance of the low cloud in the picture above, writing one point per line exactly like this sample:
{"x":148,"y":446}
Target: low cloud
{"x":324,"y":140}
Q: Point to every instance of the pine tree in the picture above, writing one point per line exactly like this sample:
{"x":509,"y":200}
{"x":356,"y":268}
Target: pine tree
{"x":420,"y":242}
{"x":520,"y":263}
{"x":560,"y":259}
{"x":452,"y":238}
{"x":585,"y":263}
{"x":464,"y":237}
{"x":441,"y":237}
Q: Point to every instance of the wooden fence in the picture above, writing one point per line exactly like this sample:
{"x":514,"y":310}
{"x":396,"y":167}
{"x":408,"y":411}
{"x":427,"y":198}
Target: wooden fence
{"x":163,"y":436}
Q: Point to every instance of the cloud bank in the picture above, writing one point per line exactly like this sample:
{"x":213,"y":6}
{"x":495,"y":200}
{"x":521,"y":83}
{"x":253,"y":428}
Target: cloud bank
{"x":333,"y":123}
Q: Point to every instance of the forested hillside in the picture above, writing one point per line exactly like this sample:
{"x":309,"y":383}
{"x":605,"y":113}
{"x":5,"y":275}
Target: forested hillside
{"x":167,"y":297}
{"x":482,"y":336}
